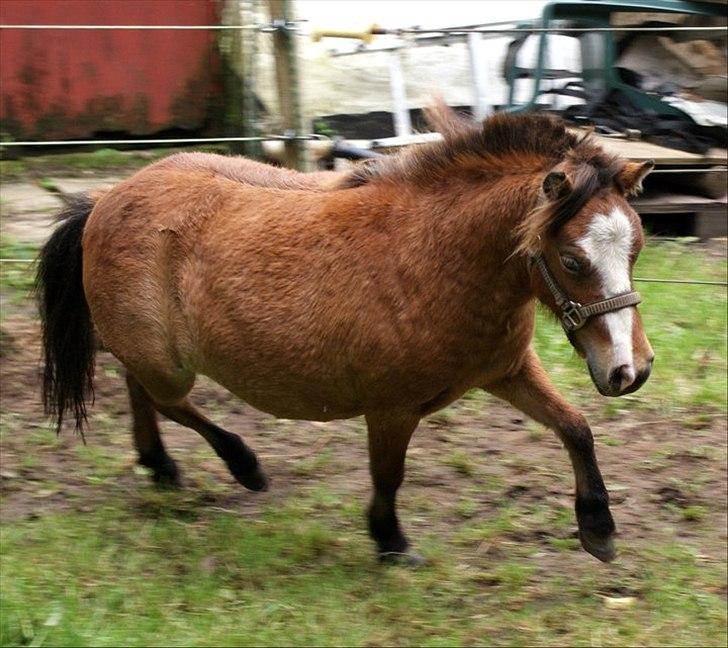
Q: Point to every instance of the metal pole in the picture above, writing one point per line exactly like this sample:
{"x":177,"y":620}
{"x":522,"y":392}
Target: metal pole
{"x":402,"y":123}
{"x":249,"y":15}
{"x":481,"y":107}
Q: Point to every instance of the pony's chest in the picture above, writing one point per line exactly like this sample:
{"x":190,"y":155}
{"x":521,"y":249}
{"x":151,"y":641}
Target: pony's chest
{"x":481,"y":345}
{"x":441,"y":365}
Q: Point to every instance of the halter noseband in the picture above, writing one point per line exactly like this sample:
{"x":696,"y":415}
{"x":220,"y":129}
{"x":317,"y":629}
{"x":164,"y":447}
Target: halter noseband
{"x":573,"y":314}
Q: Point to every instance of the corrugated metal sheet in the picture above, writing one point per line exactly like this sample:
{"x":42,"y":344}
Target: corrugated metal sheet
{"x":70,"y":83}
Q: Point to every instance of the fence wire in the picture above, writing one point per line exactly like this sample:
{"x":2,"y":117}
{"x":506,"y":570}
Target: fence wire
{"x":184,"y":140}
{"x":293,"y":26}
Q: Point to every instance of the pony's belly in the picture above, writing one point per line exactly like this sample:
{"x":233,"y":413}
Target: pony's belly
{"x":290,"y":404}
{"x":317,"y":400}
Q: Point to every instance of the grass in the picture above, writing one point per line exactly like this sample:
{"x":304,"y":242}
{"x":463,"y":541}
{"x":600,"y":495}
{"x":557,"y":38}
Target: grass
{"x":17,"y":270}
{"x":126,"y":564}
{"x":461,"y":461}
{"x":184,"y":575}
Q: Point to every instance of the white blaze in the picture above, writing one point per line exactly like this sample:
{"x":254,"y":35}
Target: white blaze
{"x":608,"y":243}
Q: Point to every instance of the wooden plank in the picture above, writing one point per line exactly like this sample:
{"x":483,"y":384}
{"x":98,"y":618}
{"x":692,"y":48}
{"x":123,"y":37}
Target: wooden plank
{"x":710,"y":225}
{"x":639,"y":150}
{"x":665,"y":203}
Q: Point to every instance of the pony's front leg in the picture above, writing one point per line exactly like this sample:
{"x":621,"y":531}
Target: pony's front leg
{"x":389,"y":436}
{"x":531,"y":391}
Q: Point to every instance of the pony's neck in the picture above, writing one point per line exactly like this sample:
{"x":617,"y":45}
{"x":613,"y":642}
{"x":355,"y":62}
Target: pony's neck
{"x":471,"y":230}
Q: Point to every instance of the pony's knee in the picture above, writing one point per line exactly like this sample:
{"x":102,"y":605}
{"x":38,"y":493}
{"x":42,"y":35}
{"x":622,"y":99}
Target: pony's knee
{"x":577,"y":435}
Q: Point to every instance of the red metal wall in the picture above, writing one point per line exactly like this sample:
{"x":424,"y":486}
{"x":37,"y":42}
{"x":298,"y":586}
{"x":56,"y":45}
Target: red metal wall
{"x":73,"y":83}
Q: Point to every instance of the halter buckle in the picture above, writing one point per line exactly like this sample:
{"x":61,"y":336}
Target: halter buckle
{"x":572,"y":317}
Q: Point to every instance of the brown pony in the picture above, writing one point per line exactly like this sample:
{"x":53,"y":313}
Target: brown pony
{"x":386,"y":291}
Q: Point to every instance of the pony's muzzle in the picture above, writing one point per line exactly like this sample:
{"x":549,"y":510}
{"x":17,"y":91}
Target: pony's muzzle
{"x":623,"y":379}
{"x":639,"y":380}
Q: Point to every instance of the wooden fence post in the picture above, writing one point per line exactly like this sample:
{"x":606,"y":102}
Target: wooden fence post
{"x":230,"y":47}
{"x":281,"y":16}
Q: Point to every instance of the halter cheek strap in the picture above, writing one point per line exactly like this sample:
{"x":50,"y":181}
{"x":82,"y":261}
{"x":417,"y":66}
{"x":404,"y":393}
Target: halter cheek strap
{"x":573,"y":314}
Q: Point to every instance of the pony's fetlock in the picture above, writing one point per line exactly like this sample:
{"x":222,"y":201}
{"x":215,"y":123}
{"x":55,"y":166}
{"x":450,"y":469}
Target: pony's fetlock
{"x":241,"y":461}
{"x":392,"y":544}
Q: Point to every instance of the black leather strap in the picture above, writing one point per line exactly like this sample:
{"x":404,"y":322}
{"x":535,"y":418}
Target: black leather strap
{"x":573,"y":314}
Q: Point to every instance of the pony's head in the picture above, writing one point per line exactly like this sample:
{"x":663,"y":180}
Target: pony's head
{"x":582,"y":242}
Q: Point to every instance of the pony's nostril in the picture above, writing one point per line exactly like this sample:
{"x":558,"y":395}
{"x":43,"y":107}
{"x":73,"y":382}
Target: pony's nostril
{"x":621,"y":377}
{"x":615,"y":378}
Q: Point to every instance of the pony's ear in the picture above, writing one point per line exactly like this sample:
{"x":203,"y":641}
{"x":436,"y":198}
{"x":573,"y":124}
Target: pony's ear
{"x":556,"y":185}
{"x":631,"y":176}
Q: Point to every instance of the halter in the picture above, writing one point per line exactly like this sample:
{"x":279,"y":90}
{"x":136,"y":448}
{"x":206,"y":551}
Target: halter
{"x":573,"y":314}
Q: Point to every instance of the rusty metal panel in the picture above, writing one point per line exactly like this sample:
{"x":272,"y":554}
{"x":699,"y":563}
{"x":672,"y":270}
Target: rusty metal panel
{"x":72,"y":83}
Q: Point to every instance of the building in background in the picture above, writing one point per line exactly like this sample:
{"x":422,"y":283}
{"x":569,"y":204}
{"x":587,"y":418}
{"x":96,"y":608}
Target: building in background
{"x":80,"y":83}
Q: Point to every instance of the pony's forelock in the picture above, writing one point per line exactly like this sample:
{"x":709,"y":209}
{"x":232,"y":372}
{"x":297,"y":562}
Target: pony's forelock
{"x":587,"y":180}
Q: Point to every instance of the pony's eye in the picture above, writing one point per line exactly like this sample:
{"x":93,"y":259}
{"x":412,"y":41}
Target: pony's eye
{"x":571,"y":264}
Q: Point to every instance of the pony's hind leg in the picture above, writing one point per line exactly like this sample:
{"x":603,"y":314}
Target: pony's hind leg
{"x":167,"y":388}
{"x":240,"y":459}
{"x":389,"y":437}
{"x":147,"y":439}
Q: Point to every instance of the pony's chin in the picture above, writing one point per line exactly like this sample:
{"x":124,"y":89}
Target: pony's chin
{"x":606,"y":391}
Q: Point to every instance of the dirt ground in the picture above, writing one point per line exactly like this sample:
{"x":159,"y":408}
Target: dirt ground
{"x":478,"y":448}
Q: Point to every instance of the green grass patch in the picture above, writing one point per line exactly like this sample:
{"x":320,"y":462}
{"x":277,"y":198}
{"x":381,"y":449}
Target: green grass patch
{"x":461,"y":462}
{"x":197,"y":577}
{"x":17,"y":270}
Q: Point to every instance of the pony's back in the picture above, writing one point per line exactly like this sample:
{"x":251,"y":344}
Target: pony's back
{"x":246,"y":171}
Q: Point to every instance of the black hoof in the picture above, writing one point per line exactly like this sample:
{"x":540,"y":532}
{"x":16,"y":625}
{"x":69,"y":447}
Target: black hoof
{"x":402,"y":558}
{"x":254,"y":480}
{"x":395,"y":550}
{"x":241,"y":462}
{"x":165,"y":473}
{"x":598,"y":546}
{"x":596,"y":527}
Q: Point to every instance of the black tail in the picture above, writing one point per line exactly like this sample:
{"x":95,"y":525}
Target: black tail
{"x":68,"y":336}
